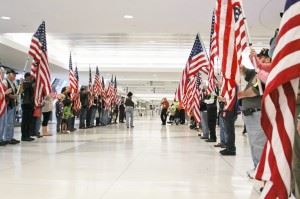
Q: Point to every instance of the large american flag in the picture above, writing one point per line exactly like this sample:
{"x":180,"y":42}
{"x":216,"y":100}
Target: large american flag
{"x":40,"y":66}
{"x":279,"y":107}
{"x":97,"y":83}
{"x":72,"y":78}
{"x":197,"y":62}
{"x":2,"y":97}
{"x":212,"y":56}
{"x":231,"y":41}
{"x":76,"y":102}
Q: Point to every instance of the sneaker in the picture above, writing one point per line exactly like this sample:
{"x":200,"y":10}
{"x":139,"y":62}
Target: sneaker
{"x":204,"y":138}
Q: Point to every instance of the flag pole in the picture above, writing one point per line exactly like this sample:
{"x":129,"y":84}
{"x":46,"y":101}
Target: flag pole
{"x":250,"y":46}
{"x":202,"y":43}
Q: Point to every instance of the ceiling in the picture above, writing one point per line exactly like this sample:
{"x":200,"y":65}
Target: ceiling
{"x":147,"y":53}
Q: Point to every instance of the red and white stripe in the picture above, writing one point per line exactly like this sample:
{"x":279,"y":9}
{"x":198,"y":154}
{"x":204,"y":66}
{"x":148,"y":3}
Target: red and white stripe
{"x":279,"y":107}
{"x":212,"y":56}
{"x":40,"y":71}
{"x":231,"y":41}
{"x":3,"y":103}
{"x":181,"y":89}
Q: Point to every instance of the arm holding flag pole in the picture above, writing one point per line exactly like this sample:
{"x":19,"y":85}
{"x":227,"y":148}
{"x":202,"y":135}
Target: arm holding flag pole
{"x":250,"y":46}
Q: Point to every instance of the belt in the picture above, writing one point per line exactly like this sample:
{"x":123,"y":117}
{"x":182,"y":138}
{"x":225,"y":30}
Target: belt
{"x":256,"y":109}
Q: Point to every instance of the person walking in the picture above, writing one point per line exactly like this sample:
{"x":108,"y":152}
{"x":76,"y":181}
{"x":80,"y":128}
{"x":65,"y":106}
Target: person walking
{"x":164,"y":109}
{"x":122,"y":111}
{"x":129,"y":107}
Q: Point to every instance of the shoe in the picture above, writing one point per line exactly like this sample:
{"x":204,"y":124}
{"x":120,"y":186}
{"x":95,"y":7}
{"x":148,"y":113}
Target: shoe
{"x":131,"y":126}
{"x":199,"y":135}
{"x":163,"y":124}
{"x":227,"y":152}
{"x":211,"y":140}
{"x":74,"y":129}
{"x":29,"y":139}
{"x":251,"y":173}
{"x":14,"y":140}
{"x":218,"y":145}
{"x":3,"y":143}
{"x":204,"y":138}
{"x":128,"y":127}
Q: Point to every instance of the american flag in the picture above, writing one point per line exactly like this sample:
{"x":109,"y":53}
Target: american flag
{"x":279,"y":107}
{"x":115,"y":91}
{"x":212,"y":56}
{"x":72,"y":78}
{"x":103,"y":87}
{"x":2,"y":97}
{"x":91,"y":90}
{"x":40,"y":66}
{"x":76,"y":102}
{"x":187,"y":99}
{"x":196,"y":99}
{"x":110,"y":92}
{"x":97,"y":83}
{"x":231,"y":41}
{"x":197,"y":62}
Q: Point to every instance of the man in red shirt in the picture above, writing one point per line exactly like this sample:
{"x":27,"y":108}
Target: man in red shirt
{"x":164,"y":109}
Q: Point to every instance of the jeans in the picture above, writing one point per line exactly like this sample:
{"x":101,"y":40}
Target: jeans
{"x":10,"y":123}
{"x":222,"y":131}
{"x":129,"y":115}
{"x":37,"y":126}
{"x":163,"y":115}
{"x":82,"y":117}
{"x":2,"y":125}
{"x":27,"y":125}
{"x":229,"y":120}
{"x":256,"y":136}
{"x":204,"y":125}
{"x":58,"y":122}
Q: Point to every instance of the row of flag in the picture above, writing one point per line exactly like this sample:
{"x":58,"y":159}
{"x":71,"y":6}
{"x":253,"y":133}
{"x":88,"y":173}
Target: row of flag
{"x":228,"y":40}
{"x":40,"y":70}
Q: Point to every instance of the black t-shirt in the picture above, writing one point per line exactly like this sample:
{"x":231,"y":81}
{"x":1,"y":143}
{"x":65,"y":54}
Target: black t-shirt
{"x":28,"y":92}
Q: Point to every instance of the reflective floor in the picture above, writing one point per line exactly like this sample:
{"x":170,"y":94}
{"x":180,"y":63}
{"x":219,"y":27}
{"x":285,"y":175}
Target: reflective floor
{"x":149,"y":161}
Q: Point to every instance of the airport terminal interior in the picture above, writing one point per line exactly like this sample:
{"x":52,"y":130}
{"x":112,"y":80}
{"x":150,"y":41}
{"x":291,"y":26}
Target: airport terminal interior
{"x":96,"y":65}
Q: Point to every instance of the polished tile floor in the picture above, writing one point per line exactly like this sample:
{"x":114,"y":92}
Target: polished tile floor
{"x":149,"y":161}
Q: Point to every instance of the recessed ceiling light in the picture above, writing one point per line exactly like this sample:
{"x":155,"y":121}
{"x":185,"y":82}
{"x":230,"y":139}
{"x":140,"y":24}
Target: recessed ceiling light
{"x":5,"y":18}
{"x":128,"y":17}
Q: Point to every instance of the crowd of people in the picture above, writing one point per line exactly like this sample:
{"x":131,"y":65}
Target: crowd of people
{"x":94,"y":110}
{"x":248,"y":104}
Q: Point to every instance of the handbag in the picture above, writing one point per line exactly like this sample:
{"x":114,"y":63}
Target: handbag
{"x":37,"y":112}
